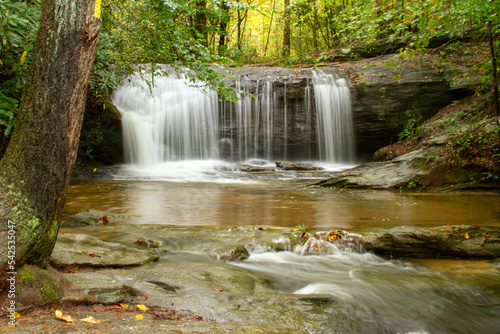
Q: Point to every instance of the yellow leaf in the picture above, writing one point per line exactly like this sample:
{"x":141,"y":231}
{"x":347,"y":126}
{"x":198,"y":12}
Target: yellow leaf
{"x":466,"y":235}
{"x":97,"y":9}
{"x":142,"y":307}
{"x":139,"y":316}
{"x":23,"y":56}
{"x":123,"y":304}
{"x":90,"y":320}
{"x":17,"y":315}
{"x":61,"y":316}
{"x":1,"y":62}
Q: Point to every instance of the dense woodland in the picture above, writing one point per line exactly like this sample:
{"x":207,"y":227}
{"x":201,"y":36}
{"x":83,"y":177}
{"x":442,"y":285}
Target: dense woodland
{"x":195,"y":33}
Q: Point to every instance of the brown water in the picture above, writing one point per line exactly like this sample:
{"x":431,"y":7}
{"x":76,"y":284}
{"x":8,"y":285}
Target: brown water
{"x":279,"y":203}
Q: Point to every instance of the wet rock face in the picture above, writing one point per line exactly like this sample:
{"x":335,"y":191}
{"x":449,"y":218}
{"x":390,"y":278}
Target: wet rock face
{"x":294,"y":138}
{"x":383,"y":100}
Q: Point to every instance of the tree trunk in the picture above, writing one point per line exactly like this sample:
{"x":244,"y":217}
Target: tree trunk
{"x":35,"y":169}
{"x":495,"y":74}
{"x":223,"y":27}
{"x":238,"y":34}
{"x":200,"y":22}
{"x":286,"y":30}
{"x":270,"y":27}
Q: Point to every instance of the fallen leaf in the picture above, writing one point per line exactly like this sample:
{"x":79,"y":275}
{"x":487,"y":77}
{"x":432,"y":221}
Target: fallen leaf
{"x":123,"y":305}
{"x":139,"y":316}
{"x":17,"y":315}
{"x":143,"y":297}
{"x":90,"y":320}
{"x":466,"y":235}
{"x":61,"y":316}
{"x":90,"y":254}
{"x":217,"y":290}
{"x":142,"y":307}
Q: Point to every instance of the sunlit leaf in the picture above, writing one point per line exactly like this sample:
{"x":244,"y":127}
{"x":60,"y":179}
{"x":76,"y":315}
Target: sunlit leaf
{"x":139,"y":316}
{"x":142,"y":307}
{"x":23,"y":57}
{"x":90,"y":320}
{"x":61,"y":316}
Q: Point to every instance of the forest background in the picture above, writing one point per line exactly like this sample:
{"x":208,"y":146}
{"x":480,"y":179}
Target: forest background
{"x":195,"y":35}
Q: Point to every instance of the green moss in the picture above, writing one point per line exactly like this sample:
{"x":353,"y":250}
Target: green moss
{"x":25,"y":277}
{"x":48,"y":292}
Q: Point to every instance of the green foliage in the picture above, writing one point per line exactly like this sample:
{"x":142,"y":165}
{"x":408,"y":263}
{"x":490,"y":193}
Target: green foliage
{"x":472,"y":142}
{"x":301,"y":228}
{"x":18,"y":26}
{"x":416,"y":184}
{"x":411,"y":130}
{"x":153,"y":32}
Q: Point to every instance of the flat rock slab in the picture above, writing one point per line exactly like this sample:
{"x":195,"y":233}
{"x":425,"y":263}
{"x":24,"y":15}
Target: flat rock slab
{"x":457,"y":241}
{"x":83,"y":250}
{"x":103,"y":288}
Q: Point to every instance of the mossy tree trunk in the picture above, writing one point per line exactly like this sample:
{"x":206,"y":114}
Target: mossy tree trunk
{"x":35,"y":169}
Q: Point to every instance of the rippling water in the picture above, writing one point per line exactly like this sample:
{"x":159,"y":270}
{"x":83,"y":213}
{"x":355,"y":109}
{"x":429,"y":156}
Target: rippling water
{"x":278,"y":200}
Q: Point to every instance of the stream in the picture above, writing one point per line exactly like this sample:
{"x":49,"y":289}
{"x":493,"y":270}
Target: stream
{"x":274,"y":287}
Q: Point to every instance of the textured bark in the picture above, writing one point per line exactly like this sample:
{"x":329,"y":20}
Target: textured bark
{"x":35,"y":169}
{"x":286,"y":30}
{"x":223,"y":26}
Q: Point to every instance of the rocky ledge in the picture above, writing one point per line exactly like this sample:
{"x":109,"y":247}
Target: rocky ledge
{"x":464,"y":241}
{"x":454,"y":150}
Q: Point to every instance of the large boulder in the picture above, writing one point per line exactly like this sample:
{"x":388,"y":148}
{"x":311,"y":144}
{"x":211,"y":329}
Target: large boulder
{"x":407,"y":171}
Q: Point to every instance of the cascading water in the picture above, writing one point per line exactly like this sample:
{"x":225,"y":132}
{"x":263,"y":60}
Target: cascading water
{"x":334,"y":126}
{"x":171,"y":120}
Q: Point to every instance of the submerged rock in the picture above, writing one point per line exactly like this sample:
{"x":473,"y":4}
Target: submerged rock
{"x":82,"y":250}
{"x":93,"y":217}
{"x":254,"y":168}
{"x":464,"y":241}
{"x":230,"y":253}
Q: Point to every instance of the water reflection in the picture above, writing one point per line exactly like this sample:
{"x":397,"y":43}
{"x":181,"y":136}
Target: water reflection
{"x":266,"y":202}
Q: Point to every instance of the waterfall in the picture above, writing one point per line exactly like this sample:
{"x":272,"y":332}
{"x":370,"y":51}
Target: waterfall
{"x":171,"y":120}
{"x":334,"y":118}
